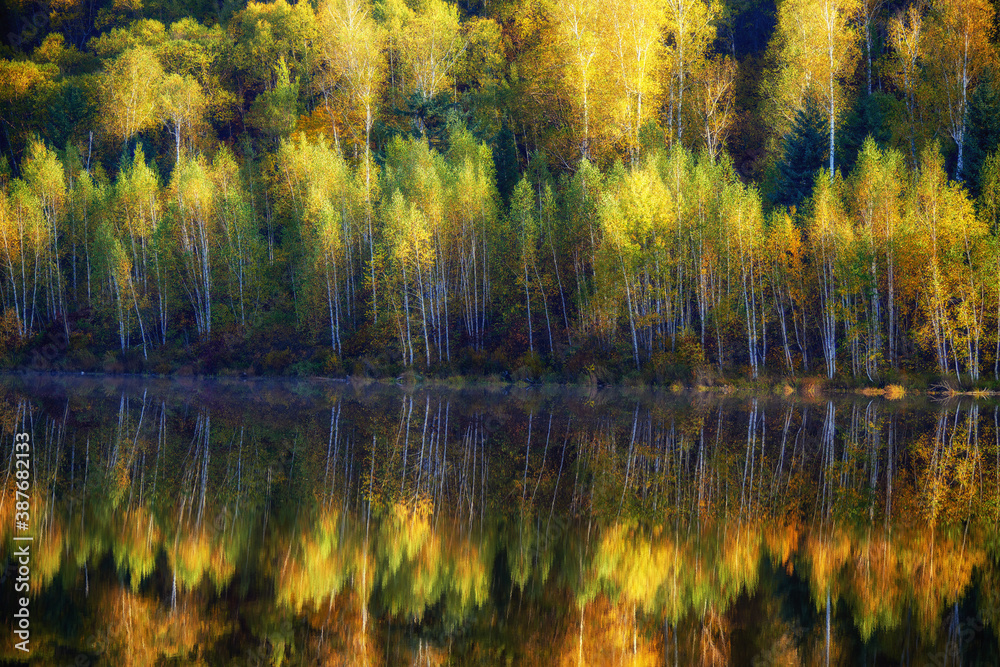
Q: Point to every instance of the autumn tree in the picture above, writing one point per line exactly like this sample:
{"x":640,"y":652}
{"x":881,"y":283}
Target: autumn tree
{"x":263,"y":34}
{"x":869,"y":12}
{"x":816,"y":42}
{"x":952,"y":295}
{"x":22,"y":245}
{"x":959,"y":37}
{"x":522,"y":214}
{"x":45,"y":176}
{"x":785,"y":250}
{"x":130,"y":93}
{"x":636,"y":54}
{"x":473,"y":227}
{"x":325,"y":199}
{"x":876,"y":197}
{"x":354,"y":52}
{"x":352,"y":48}
{"x":428,"y":42}
{"x":25,"y":83}
{"x":135,"y":262}
{"x":906,"y":33}
{"x":119,"y":274}
{"x":181,"y":104}
{"x":829,"y":230}
{"x":690,"y":30}
{"x":240,"y":247}
{"x":715,"y":101}
{"x":741,"y":206}
{"x":194,"y":195}
{"x":581,"y":29}
{"x":416,"y":188}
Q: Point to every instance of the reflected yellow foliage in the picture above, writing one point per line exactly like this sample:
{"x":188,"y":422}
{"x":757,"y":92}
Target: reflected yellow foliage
{"x":826,"y":553}
{"x":607,"y":634}
{"x":49,"y":548}
{"x":137,"y":544}
{"x":319,"y":568}
{"x":622,"y":573}
{"x":141,"y":632}
{"x":419,"y":564}
{"x":196,"y":557}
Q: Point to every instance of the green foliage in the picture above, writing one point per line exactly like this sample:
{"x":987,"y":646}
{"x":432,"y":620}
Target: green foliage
{"x":505,"y":161}
{"x":869,"y":117}
{"x":983,"y":133}
{"x":989,"y":191}
{"x":275,"y":111}
{"x":804,"y":151}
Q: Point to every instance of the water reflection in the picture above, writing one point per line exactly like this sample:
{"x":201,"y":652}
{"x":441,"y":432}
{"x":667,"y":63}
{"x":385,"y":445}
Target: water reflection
{"x":214,"y":523}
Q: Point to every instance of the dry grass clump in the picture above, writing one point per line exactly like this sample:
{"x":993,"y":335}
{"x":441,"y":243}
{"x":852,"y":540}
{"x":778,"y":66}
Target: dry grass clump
{"x":894,"y":392}
{"x":812,"y":386}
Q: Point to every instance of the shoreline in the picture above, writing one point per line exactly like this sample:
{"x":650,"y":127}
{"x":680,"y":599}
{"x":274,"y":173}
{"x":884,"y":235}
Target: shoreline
{"x":808,"y":387}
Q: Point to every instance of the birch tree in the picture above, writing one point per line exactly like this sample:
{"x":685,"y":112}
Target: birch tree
{"x":715,"y":97}
{"x":239,"y":241}
{"x":829,"y":231}
{"x":906,"y":33}
{"x":689,"y":31}
{"x":181,"y":104}
{"x":818,"y":48}
{"x":869,"y":12}
{"x":473,"y":214}
{"x":522,"y":214}
{"x":952,"y":295}
{"x":194,"y":197}
{"x":322,"y":188}
{"x":580,"y":28}
{"x":741,"y":207}
{"x":877,"y":192}
{"x":137,"y":208}
{"x":636,"y":54}
{"x":429,"y":41}
{"x":959,"y":38}
{"x":45,"y":177}
{"x":353,"y":49}
{"x":416,"y":184}
{"x":130,"y":93}
{"x":22,"y":240}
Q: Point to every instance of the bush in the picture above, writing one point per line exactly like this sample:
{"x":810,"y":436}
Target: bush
{"x":111,"y":363}
{"x":85,"y":360}
{"x":276,"y":361}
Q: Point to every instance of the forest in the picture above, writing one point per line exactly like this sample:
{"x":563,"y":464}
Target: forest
{"x":669,"y":191}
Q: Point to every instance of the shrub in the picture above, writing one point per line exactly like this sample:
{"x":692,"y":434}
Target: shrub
{"x":276,"y":361}
{"x":894,"y":392}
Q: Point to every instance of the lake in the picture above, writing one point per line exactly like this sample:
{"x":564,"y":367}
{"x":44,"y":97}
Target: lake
{"x":179,"y":522}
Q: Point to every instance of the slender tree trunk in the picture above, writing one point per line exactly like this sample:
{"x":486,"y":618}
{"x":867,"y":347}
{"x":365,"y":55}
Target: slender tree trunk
{"x":527,"y":300}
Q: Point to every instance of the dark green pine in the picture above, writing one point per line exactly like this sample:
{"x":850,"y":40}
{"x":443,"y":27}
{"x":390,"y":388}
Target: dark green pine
{"x":982,"y":134}
{"x":804,"y":152}
{"x":867,"y":118}
{"x":505,"y":161}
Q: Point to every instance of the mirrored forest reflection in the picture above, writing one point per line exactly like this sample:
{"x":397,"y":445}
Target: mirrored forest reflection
{"x":210,"y":522}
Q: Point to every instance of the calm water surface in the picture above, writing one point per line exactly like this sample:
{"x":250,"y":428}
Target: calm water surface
{"x":253,"y":523}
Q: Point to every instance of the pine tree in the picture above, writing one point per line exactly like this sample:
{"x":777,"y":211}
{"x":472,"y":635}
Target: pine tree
{"x":868,"y":118}
{"x":983,"y":134}
{"x":988,"y":205}
{"x":803,"y":153}
{"x":505,"y":161}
